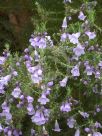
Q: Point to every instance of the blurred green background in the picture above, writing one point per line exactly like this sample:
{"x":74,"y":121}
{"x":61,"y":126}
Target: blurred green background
{"x":18,"y":18}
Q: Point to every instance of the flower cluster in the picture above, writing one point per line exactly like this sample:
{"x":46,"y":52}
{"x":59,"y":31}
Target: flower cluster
{"x":53,"y":81}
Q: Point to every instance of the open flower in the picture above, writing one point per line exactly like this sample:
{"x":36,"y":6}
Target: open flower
{"x":79,"y":50}
{"x":43,"y":99}
{"x":64,"y":36}
{"x":97,"y":134}
{"x":63,"y":82}
{"x":66,"y":107}
{"x":91,"y":35}
{"x":16,"y":92}
{"x":75,"y":71}
{"x":81,"y":16}
{"x":74,"y":38}
{"x":2,"y":60}
{"x":38,"y":118}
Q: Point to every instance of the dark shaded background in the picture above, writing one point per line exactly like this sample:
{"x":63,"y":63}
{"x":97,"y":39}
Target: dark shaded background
{"x":16,"y":23}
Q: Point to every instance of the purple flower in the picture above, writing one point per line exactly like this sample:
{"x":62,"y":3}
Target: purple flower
{"x":64,"y":24}
{"x":97,"y":134}
{"x":26,"y":50}
{"x":74,"y":38}
{"x":79,"y":50}
{"x":34,"y":41}
{"x":1,"y":128}
{"x":30,"y":99}
{"x":87,"y":130}
{"x":38,"y":118}
{"x":16,"y":92}
{"x":50,"y":84}
{"x":16,"y":132}
{"x":30,"y":109}
{"x":5,"y":80}
{"x":42,"y":43}
{"x":89,"y":70}
{"x":14,"y":73}
{"x":2,"y":60}
{"x":77,"y":132}
{"x":6,"y":112}
{"x":36,"y":74}
{"x":98,"y":125}
{"x":63,"y":82}
{"x":43,"y":99}
{"x":97,"y":74}
{"x":91,"y":35}
{"x":100,"y":64}
{"x":64,"y":36}
{"x":71,"y":122}
{"x":84,"y":114}
{"x":98,"y":108}
{"x":66,"y":107}
{"x":75,"y":71}
{"x":81,"y":16}
{"x":57,"y":128}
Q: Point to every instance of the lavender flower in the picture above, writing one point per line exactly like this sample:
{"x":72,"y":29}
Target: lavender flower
{"x":79,"y":50}
{"x":81,"y":16}
{"x":6,"y":112}
{"x":34,"y":41}
{"x":1,"y":128}
{"x":43,"y":100}
{"x":84,"y":114}
{"x":36,"y":74}
{"x":77,"y":133}
{"x":98,"y":125}
{"x":100,"y":64}
{"x":50,"y":84}
{"x":64,"y":36}
{"x":71,"y":122}
{"x":30,"y":99}
{"x":57,"y":128}
{"x":14,"y":73}
{"x":89,"y":70}
{"x":87,"y":130}
{"x":97,"y":134}
{"x":16,"y":92}
{"x":38,"y":118}
{"x":42,"y":43}
{"x":64,"y":24}
{"x":97,"y":74}
{"x":63,"y":82}
{"x":75,"y":71}
{"x":74,"y":38}
{"x":30,"y":109}
{"x":2,"y":60}
{"x":91,"y":35}
{"x":66,"y":107}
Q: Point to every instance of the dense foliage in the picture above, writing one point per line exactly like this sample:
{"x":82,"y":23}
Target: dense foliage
{"x":55,"y":86}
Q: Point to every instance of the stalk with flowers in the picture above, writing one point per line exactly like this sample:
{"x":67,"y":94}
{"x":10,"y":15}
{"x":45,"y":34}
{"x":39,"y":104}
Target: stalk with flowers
{"x":54,"y":87}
